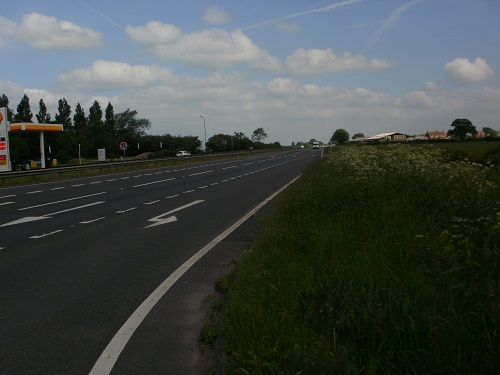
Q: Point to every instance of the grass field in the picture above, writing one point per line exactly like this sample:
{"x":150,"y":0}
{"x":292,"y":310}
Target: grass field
{"x":379,"y":260}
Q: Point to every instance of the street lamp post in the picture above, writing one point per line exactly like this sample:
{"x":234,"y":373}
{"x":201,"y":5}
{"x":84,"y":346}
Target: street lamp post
{"x":204,"y":128}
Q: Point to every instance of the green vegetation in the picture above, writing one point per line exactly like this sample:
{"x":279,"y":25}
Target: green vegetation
{"x":379,"y":260}
{"x":484,"y":151}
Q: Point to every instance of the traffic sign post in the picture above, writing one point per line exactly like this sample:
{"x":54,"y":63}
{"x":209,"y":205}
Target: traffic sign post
{"x":123,"y":146}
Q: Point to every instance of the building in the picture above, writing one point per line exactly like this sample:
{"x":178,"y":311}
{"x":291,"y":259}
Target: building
{"x":438,"y":134}
{"x":388,"y":137}
{"x":481,"y":134}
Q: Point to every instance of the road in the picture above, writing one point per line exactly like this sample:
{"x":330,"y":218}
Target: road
{"x":79,"y":257}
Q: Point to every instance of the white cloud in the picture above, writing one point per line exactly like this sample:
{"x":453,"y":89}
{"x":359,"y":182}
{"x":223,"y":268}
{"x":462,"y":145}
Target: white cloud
{"x":462,"y":71}
{"x":7,"y":30}
{"x":214,"y":48}
{"x":153,"y":33}
{"x":317,"y":61}
{"x":112,"y":75}
{"x":216,"y":15}
{"x":283,"y":86}
{"x":430,"y":85}
{"x":47,"y":33}
{"x":288,"y":109}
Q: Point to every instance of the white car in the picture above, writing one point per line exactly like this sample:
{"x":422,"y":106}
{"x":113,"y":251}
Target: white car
{"x":182,"y":153}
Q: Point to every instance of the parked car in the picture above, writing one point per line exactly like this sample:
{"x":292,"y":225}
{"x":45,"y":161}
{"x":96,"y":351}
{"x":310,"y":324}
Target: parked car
{"x":182,"y":153}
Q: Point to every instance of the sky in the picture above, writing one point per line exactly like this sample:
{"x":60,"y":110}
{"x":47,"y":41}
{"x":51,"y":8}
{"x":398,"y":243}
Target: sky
{"x":298,"y":69}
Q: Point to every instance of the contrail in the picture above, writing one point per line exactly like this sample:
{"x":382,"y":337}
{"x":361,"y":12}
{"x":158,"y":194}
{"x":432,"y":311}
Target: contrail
{"x":103,"y":16}
{"x":304,"y":13}
{"x":375,"y":37}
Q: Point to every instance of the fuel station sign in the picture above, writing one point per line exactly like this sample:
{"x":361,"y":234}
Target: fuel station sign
{"x":4,"y":141}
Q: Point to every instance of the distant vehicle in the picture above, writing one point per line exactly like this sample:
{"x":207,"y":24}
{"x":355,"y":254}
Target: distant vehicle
{"x":182,"y":153}
{"x":315,"y":145}
{"x":301,"y":146}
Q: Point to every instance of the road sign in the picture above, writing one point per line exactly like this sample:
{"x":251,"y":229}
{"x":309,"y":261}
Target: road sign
{"x":123,"y":146}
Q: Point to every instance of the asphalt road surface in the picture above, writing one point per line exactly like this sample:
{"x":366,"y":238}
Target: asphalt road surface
{"x":109,"y":274}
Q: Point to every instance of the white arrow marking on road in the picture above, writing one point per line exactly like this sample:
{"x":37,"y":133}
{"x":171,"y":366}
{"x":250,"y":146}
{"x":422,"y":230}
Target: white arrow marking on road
{"x":48,"y":216}
{"x":46,"y":234}
{"x":158,"y":220}
{"x":25,"y":220}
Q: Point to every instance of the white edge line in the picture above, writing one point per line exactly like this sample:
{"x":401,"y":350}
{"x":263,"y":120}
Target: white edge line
{"x":109,"y":356}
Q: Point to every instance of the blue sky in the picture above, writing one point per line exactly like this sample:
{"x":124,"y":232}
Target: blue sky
{"x":299,"y":69}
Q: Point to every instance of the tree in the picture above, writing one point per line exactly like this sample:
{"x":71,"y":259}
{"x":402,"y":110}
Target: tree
{"x":128,"y":127}
{"x":109,"y":118}
{"x":219,"y":143}
{"x":358,"y":135}
{"x":96,"y":126}
{"x":241,"y":141}
{"x":4,"y":103}
{"x":340,"y":135}
{"x":259,"y":135}
{"x":462,"y":127}
{"x":23,"y":110}
{"x":489,"y":131}
{"x":43,"y":117}
{"x":79,"y":120}
{"x":64,"y":114}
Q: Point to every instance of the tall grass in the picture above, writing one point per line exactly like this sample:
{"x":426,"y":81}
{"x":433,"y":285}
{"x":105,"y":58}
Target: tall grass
{"x":378,"y":260}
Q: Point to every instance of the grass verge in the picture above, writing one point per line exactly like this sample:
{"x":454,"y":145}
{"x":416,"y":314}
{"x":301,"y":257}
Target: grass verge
{"x":378,"y":260}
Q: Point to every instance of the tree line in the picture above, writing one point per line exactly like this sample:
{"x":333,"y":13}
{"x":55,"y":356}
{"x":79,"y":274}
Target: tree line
{"x":85,"y":133}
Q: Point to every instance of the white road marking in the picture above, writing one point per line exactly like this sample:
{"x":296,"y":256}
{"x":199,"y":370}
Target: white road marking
{"x":153,"y":202}
{"x":154,"y":182}
{"x":215,"y":183}
{"x":75,"y":208}
{"x":158,"y":220}
{"x":59,"y":188}
{"x":77,"y":185}
{"x":25,"y":220}
{"x":34,"y":192}
{"x":233,"y":166}
{"x":6,"y":203}
{"x":172,"y":196}
{"x":95,"y":182}
{"x":202,"y":187}
{"x":109,"y":356}
{"x":127,"y":210}
{"x":64,"y":200}
{"x":91,"y":221}
{"x":8,"y":196}
{"x":187,"y":191}
{"x":47,"y":216}
{"x":46,"y":234}
{"x":196,"y":174}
